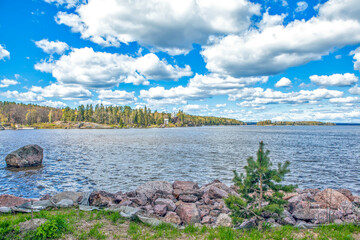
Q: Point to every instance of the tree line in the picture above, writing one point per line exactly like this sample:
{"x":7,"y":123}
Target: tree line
{"x":12,"y":113}
{"x":291,"y":123}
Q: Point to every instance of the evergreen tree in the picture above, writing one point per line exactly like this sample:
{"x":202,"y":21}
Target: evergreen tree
{"x":260,"y":189}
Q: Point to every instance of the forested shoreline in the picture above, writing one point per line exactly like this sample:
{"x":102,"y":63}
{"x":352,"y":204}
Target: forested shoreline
{"x":13,"y":114}
{"x":293,"y":123}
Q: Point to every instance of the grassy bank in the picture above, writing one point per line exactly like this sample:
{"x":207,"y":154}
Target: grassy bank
{"x":76,"y":224}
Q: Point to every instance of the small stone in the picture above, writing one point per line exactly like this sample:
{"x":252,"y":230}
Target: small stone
{"x":215,"y":192}
{"x":188,"y":198}
{"x":224,"y":220}
{"x":206,"y":220}
{"x":214,"y":213}
{"x":160,"y":210}
{"x":125,"y":202}
{"x":246,"y":224}
{"x":338,"y":221}
{"x":87,"y":208}
{"x":185,"y":185}
{"x":140,"y":199}
{"x":169,"y":203}
{"x":172,"y":217}
{"x":31,"y":224}
{"x":204,"y":212}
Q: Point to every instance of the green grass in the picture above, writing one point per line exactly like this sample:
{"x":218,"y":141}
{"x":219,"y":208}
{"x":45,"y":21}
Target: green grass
{"x":93,"y":225}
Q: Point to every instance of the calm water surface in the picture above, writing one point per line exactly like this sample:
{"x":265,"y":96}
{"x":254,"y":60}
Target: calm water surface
{"x":120,"y":160}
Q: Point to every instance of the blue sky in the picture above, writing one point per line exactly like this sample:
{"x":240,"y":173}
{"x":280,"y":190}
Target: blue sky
{"x":249,"y":60}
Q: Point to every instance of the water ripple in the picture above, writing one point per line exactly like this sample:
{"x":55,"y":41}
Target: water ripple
{"x":120,"y":160}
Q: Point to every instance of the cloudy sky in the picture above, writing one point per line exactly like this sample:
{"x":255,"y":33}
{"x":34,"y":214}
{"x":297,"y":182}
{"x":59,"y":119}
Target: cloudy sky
{"x":245,"y":59}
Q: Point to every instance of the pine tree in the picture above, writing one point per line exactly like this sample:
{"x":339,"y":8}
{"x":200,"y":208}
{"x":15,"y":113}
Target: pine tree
{"x":260,"y":189}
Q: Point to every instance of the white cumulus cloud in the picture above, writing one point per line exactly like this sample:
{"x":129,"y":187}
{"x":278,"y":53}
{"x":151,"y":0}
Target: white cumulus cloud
{"x":55,"y":104}
{"x":117,"y":96}
{"x":7,"y":82}
{"x":301,"y":6}
{"x":356,"y":54}
{"x":273,"y":49}
{"x":4,"y":53}
{"x":92,"y":69}
{"x":171,"y":26}
{"x":198,"y":88}
{"x":66,"y":92}
{"x":355,"y":90}
{"x":220,"y":105}
{"x":52,"y":47}
{"x":23,"y":96}
{"x":344,"y":80}
{"x":66,"y":3}
{"x":283,"y":82}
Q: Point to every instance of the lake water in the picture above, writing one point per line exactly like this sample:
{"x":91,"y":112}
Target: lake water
{"x":120,"y":160}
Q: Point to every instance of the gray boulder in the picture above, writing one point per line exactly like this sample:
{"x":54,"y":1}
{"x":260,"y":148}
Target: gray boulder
{"x":65,"y":203}
{"x":74,"y":196}
{"x":27,"y":156}
{"x":38,"y":205}
{"x":150,"y":188}
{"x":5,"y":210}
{"x":168,"y":202}
{"x":247,"y":224}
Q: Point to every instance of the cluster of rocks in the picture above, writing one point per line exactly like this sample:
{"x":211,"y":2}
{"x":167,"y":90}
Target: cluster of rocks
{"x":184,"y":202}
{"x":307,"y":208}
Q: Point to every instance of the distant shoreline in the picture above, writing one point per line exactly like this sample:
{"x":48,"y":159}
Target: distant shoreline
{"x":104,"y":126}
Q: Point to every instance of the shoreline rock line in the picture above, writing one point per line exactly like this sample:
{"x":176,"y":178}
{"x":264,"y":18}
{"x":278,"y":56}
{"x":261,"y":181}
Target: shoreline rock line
{"x":184,"y":202}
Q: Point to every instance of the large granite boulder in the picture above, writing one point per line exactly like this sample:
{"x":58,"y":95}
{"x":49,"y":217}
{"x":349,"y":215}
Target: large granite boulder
{"x":188,"y":213}
{"x":331,"y":198}
{"x":8,"y":200}
{"x":101,"y":199}
{"x":27,"y":156}
{"x":74,"y":196}
{"x":150,"y":188}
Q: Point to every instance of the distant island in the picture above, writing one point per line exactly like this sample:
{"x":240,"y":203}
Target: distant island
{"x":290,"y":123}
{"x":26,"y":116}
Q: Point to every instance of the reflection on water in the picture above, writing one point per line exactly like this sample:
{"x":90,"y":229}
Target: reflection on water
{"x":120,"y":160}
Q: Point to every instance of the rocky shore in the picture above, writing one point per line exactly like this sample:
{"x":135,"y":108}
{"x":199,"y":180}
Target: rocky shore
{"x":185,"y":202}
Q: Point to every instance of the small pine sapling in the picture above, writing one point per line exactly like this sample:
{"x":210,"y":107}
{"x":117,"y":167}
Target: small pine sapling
{"x":260,"y":189}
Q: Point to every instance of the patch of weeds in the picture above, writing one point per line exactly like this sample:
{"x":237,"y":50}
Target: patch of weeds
{"x":53,"y":228}
{"x":95,"y":232}
{"x":191,"y":229}
{"x":134,"y":230}
{"x":114,"y":217}
{"x":337,"y":231}
{"x":165,"y":230}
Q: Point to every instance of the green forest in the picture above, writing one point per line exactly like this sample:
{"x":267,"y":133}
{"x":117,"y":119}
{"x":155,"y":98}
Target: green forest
{"x":13,"y":114}
{"x":290,"y":123}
